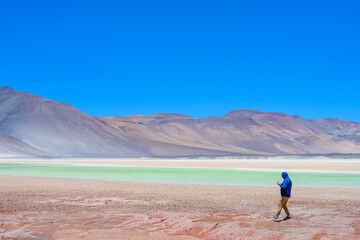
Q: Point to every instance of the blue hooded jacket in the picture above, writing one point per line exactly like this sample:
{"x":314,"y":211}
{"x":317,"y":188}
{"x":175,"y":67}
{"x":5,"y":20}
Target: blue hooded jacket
{"x":286,"y":185}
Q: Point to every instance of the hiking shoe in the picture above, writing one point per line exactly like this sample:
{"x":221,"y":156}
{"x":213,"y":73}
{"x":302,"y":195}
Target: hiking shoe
{"x":275,"y":218}
{"x":287,"y":218}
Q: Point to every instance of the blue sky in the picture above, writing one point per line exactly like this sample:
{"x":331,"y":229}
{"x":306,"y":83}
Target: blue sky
{"x":201,"y":58}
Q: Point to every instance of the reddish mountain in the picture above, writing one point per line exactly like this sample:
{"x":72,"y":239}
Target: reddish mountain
{"x":34,"y":126}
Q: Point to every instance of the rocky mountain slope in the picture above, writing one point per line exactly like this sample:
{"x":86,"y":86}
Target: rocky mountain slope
{"x":34,"y":126}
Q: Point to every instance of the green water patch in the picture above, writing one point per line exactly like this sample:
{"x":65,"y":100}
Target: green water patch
{"x":178,"y":175}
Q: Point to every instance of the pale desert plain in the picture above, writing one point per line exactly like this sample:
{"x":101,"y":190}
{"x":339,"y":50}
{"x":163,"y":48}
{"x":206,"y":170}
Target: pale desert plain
{"x":58,"y":208}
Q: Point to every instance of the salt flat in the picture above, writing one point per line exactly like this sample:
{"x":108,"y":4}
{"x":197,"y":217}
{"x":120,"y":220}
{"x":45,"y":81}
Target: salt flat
{"x":306,"y":164}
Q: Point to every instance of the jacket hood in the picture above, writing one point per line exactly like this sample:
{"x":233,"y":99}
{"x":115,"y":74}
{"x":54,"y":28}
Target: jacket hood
{"x":284,"y":175}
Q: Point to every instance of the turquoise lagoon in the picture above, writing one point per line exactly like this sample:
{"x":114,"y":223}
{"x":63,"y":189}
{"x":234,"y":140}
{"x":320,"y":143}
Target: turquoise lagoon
{"x":178,"y":175}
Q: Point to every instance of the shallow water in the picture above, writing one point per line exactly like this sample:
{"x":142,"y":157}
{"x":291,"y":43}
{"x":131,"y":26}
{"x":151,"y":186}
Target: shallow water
{"x":178,"y":175}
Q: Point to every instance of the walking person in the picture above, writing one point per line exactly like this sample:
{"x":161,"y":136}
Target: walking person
{"x":285,"y":190}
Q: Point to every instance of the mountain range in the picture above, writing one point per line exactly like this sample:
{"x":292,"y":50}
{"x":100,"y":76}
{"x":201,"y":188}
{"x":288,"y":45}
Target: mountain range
{"x":32,"y":126}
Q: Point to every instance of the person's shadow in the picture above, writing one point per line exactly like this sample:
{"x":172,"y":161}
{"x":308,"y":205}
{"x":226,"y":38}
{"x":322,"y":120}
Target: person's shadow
{"x":283,"y":220}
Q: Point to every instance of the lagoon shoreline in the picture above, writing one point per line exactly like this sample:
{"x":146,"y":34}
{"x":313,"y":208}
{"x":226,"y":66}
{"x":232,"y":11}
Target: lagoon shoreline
{"x":180,"y":175}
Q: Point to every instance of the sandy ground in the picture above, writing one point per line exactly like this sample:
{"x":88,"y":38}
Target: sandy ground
{"x":293,"y":165}
{"x":43,"y":208}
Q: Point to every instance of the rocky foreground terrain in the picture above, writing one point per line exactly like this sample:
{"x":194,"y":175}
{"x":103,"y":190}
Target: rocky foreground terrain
{"x":38,"y":208}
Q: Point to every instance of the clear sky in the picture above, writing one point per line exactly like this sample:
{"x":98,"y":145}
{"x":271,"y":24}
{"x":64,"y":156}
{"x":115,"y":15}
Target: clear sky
{"x":201,"y":58}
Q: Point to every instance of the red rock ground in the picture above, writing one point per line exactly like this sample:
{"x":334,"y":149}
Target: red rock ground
{"x":39,"y":208}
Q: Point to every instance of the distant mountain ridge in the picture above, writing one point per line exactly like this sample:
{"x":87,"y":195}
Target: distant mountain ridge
{"x":32,"y":126}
